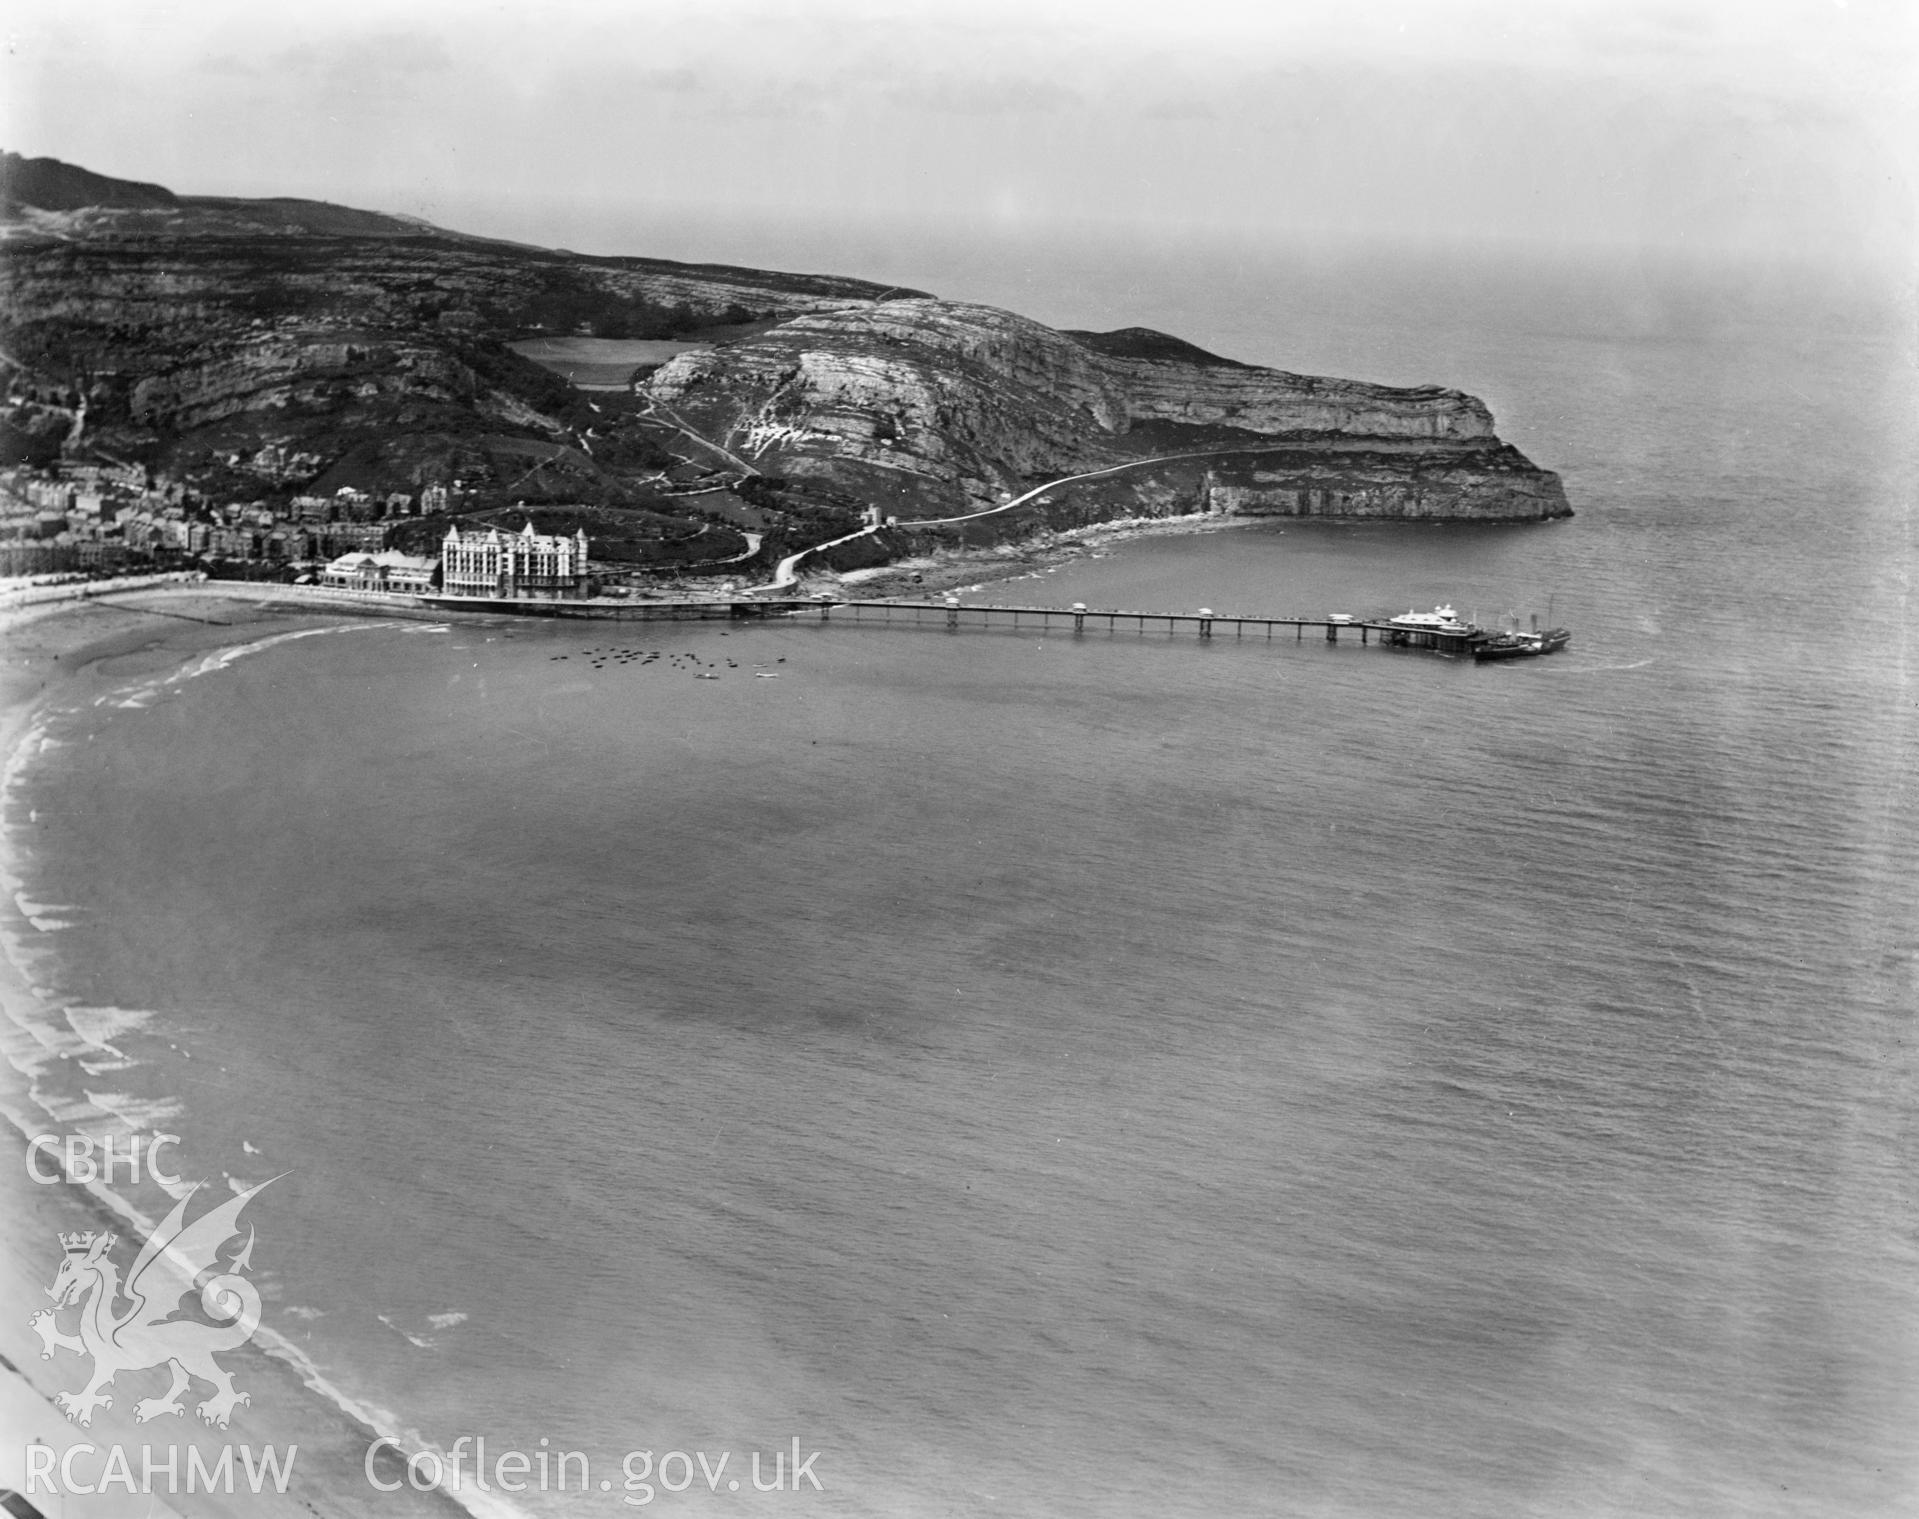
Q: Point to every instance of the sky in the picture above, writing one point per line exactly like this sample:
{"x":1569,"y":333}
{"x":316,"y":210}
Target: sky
{"x":1771,"y":128}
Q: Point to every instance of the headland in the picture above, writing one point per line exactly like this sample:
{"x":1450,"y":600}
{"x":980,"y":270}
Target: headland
{"x":256,"y":387}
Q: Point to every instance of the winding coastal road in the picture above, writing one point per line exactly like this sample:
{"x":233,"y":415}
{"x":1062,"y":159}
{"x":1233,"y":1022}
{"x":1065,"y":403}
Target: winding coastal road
{"x":787,"y":574}
{"x":753,"y":541}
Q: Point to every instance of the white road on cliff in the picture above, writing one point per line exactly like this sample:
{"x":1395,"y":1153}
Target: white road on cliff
{"x":753,"y":541}
{"x":787,"y":573}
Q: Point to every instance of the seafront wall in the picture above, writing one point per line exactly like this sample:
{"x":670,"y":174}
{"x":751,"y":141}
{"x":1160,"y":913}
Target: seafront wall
{"x":273,"y":593}
{"x":263,"y":592}
{"x":80,"y":590}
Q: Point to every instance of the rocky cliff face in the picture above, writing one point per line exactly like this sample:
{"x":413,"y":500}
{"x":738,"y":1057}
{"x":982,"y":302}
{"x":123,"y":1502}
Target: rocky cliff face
{"x":949,"y":408}
{"x":1491,"y":484}
{"x":203,"y":339}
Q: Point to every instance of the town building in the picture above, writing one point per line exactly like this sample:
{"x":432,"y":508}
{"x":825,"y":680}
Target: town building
{"x":388,"y":570}
{"x":519,"y":565}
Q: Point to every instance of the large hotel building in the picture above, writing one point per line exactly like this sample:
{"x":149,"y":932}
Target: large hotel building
{"x":525,"y":564}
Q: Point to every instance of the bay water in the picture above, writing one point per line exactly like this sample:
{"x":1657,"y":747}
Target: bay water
{"x":1110,"y":1074}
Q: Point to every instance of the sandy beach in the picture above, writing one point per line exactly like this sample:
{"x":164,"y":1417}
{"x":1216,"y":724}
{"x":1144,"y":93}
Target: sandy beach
{"x":53,"y":655}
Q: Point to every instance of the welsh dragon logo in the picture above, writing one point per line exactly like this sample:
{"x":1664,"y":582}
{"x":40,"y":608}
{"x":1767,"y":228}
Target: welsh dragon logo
{"x":147,"y":1334}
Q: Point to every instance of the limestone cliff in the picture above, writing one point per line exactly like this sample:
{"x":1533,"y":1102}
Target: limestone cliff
{"x":197,"y":329}
{"x":942,"y":408}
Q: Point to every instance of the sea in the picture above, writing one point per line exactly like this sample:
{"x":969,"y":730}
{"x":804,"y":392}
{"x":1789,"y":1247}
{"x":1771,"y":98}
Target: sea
{"x":1107,"y":1074}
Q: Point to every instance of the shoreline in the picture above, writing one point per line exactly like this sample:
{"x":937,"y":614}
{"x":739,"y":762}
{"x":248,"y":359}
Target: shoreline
{"x":963,"y":570}
{"x":51,"y":654}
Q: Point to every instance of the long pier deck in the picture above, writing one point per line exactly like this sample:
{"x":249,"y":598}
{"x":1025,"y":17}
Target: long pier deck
{"x":1081,"y":619}
{"x":959,"y":615}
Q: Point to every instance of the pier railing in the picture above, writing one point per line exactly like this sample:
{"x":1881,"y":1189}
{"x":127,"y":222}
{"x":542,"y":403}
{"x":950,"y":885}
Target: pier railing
{"x":1205,"y":623}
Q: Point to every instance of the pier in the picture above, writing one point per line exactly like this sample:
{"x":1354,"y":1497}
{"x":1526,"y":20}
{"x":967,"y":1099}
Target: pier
{"x":1203,"y":623}
{"x":956,"y":615}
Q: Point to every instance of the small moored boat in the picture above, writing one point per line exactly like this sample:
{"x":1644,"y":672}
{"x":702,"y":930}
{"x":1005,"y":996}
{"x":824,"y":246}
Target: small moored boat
{"x":1508,"y":646}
